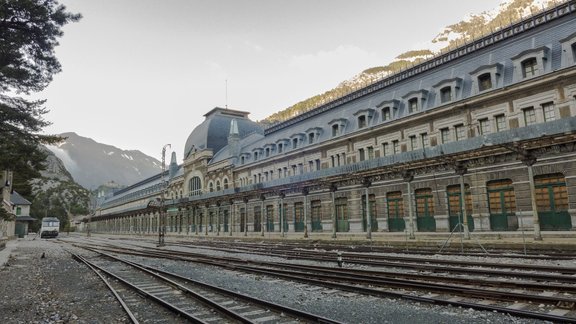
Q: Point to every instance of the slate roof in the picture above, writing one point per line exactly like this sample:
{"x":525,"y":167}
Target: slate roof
{"x":17,"y":199}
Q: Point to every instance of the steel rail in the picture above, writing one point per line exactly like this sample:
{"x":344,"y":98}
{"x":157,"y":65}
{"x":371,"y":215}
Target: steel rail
{"x":114,"y":292}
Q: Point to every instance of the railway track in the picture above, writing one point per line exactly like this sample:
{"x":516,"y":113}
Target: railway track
{"x":189,"y":300}
{"x":543,"y":301}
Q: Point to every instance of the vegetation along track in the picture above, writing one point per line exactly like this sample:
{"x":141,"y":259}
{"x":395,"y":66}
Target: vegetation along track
{"x":528,"y":298}
{"x":192,"y":300}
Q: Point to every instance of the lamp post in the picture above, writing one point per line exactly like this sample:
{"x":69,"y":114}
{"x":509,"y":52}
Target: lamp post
{"x":163,"y":187}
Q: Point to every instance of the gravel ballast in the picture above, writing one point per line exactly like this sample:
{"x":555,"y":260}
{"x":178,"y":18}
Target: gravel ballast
{"x":58,"y":289}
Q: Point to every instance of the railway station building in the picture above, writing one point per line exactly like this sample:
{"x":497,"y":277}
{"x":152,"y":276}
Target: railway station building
{"x":481,"y":138}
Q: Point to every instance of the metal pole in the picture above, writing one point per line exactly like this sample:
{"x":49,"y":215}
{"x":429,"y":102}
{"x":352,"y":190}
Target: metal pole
{"x":461,"y":170}
{"x":282,"y":214}
{"x":206,"y":216}
{"x":332,"y":190}
{"x":408,"y":177}
{"x":262,"y":214}
{"x":368,"y":217}
{"x":305,"y":193}
{"x":535,"y":216}
{"x":163,"y":187}
{"x":245,"y":216}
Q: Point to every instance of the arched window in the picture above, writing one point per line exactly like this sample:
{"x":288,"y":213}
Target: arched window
{"x":211,"y":186}
{"x":218,"y":188}
{"x":225,"y":183}
{"x":195,"y":186}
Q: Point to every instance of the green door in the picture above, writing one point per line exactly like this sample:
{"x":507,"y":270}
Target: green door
{"x":425,"y":210}
{"x":552,"y":203}
{"x":269,"y":218}
{"x":502,"y":205}
{"x":316,"y":216}
{"x":299,"y":217}
{"x":257,"y":219}
{"x":226,"y":221}
{"x":341,"y":208}
{"x":20,"y":229}
{"x":455,"y":208}
{"x":395,"y":207}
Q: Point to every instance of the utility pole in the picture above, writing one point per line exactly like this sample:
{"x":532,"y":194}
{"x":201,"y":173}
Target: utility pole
{"x":161,"y":214}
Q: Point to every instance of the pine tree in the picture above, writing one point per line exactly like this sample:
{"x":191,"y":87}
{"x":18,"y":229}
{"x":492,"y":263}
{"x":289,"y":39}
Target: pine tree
{"x":29,"y":32}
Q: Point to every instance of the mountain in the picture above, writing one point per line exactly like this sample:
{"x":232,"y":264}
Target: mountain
{"x":56,"y":194}
{"x":92,"y":164}
{"x":453,"y":36}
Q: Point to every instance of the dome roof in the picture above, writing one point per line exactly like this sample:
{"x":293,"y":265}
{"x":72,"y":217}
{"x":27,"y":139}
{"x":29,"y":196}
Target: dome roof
{"x":213,"y":132}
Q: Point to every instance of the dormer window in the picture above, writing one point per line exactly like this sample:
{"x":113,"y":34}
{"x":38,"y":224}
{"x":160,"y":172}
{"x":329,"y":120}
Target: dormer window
{"x":446,"y":94}
{"x":269,"y":149}
{"x":415,"y":100}
{"x":364,"y":116}
{"x":568,"y":50}
{"x":361,"y":121}
{"x":448,"y":90}
{"x":412,"y":105}
{"x":313,"y":134}
{"x":389,"y":109}
{"x":338,"y":126}
{"x":258,"y":154}
{"x":296,"y":140}
{"x":530,"y":63}
{"x":486,"y":77}
{"x":282,"y":145}
{"x":244,"y":157}
{"x":485,"y":82}
{"x":386,"y":114}
{"x":529,"y":68}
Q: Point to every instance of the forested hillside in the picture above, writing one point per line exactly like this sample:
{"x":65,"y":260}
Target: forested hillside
{"x":470,"y":28}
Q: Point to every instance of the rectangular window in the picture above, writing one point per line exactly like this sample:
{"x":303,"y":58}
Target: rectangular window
{"x":413,"y":143}
{"x":385,"y":149}
{"x":529,"y":116}
{"x":413,"y":105}
{"x":317,"y":164}
{"x":484,"y":126}
{"x":280,"y":147}
{"x":549,"y":111}
{"x":446,"y":94}
{"x":294,"y":143}
{"x":370,"y":152}
{"x":385,"y":113}
{"x":459,"y":132}
{"x":310,"y":166}
{"x":424,"y":140}
{"x":333,"y":160}
{"x":445,"y":135}
{"x":361,"y":121}
{"x":267,"y":152}
{"x":485,"y":82}
{"x":500,"y":122}
{"x":255,"y":156}
{"x":311,"y":138}
{"x":334,"y":130}
{"x":361,"y":154}
{"x":396,"y":146}
{"x":529,"y":67}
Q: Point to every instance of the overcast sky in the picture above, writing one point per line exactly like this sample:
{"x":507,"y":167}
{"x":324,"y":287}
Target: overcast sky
{"x":139,"y":74}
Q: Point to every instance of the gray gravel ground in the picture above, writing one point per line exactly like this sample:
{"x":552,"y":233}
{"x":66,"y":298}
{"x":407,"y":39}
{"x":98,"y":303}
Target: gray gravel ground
{"x":57,"y":289}
{"x":53,"y":289}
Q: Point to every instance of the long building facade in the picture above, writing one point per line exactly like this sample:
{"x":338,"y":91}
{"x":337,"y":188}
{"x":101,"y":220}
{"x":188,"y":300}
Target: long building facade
{"x":480,"y":138}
